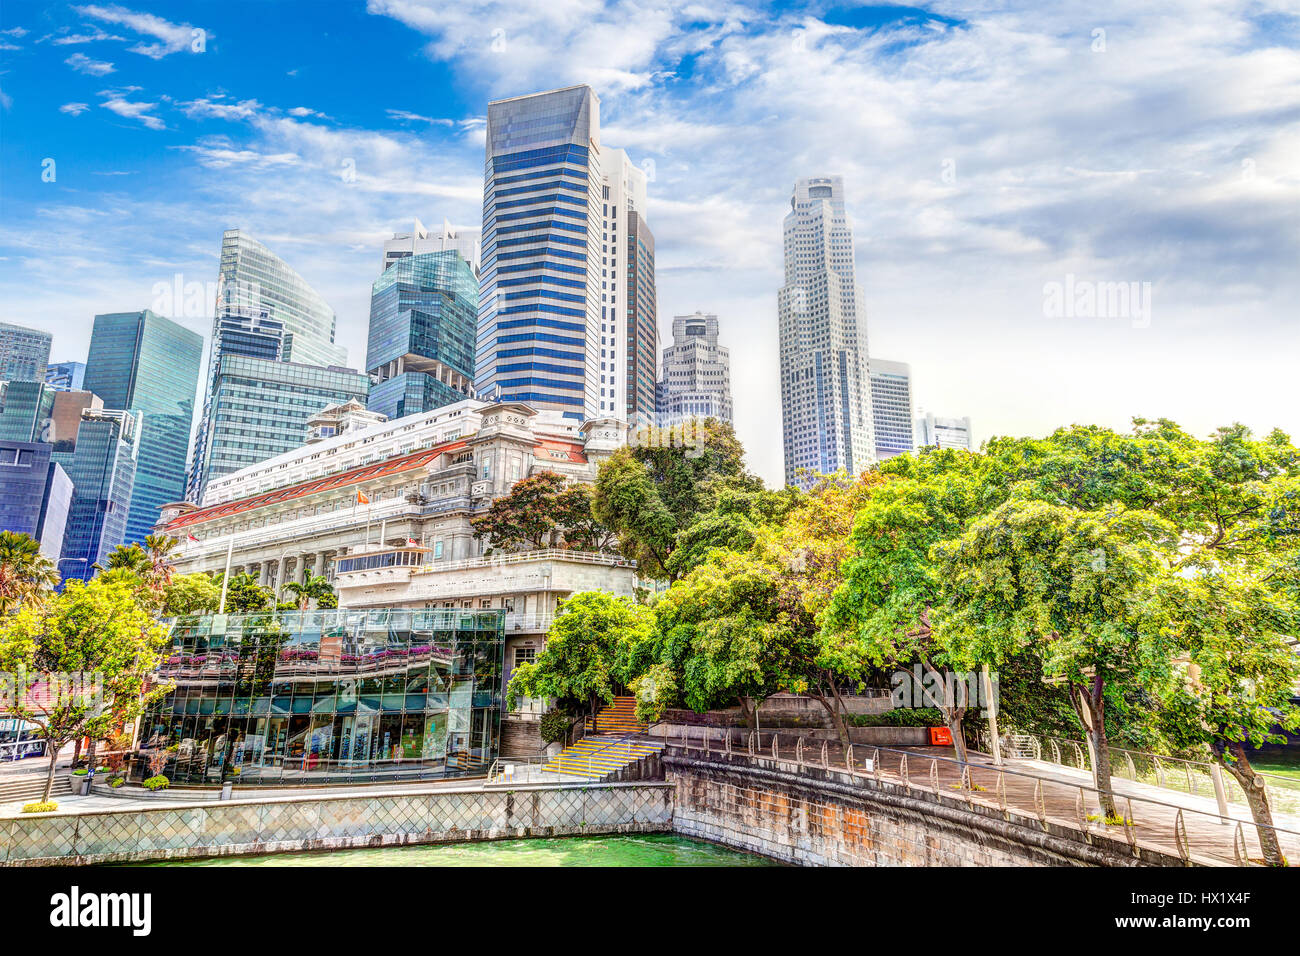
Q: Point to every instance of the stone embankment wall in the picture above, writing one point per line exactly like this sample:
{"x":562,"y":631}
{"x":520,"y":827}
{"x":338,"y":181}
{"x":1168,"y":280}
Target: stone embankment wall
{"x":809,"y":818}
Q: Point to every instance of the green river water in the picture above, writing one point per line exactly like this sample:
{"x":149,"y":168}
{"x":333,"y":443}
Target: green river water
{"x":645,"y":850}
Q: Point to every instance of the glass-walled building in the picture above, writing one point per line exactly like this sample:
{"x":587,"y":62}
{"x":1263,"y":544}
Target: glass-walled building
{"x":423,"y":322}
{"x":329,"y":696}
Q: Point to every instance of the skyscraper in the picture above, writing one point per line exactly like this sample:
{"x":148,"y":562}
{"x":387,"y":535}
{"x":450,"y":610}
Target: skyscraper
{"x":825,"y":388}
{"x":935,"y":432}
{"x":24,"y":353}
{"x":423,"y":321}
{"x":25,"y":410}
{"x":266,"y":311}
{"x":540,"y":290}
{"x":260,"y":407}
{"x":141,"y":362}
{"x":65,"y":374}
{"x":891,"y":407}
{"x":35,"y":494}
{"x":420,"y":240}
{"x":629,"y":322}
{"x":104,"y":485}
{"x":696,"y":380}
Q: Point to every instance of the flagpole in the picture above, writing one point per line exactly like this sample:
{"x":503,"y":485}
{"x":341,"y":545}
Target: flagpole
{"x":225,"y":578}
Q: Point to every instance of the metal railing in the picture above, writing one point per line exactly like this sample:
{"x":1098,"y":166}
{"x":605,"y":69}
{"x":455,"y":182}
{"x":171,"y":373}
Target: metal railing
{"x":1201,"y":778}
{"x":1015,"y":795}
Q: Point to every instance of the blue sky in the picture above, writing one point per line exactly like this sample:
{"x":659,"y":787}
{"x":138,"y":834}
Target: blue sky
{"x":989,"y":150}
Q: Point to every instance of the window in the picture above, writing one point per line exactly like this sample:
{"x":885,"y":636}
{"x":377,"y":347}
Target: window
{"x":525,"y":655}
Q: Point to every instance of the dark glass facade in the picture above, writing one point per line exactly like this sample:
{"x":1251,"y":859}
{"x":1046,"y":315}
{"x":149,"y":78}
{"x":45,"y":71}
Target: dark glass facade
{"x":330,"y":696}
{"x":25,"y":410}
{"x":103,"y":472}
{"x":144,"y":363}
{"x":35,"y":494}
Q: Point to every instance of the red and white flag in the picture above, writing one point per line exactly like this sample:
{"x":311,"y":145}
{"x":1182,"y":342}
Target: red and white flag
{"x":190,"y":537}
{"x":412,"y":543}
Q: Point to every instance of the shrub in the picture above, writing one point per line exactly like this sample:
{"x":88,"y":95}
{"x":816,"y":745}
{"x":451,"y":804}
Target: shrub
{"x":117,"y":782}
{"x":80,"y":772}
{"x":157,"y":783}
{"x":554,"y":725}
{"x":901,"y":717}
{"x":39,"y":807}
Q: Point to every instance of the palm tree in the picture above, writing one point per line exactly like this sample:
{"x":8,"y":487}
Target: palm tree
{"x":316,"y":586}
{"x":25,"y":573}
{"x":159,"y":548}
{"x":127,"y":557}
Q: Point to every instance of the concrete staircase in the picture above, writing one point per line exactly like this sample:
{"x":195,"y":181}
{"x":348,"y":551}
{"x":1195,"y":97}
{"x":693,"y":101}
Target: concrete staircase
{"x":617,"y":718}
{"x":26,"y":787}
{"x":595,"y":758}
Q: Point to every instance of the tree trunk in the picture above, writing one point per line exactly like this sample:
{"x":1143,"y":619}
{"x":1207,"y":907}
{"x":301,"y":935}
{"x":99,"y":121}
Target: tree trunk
{"x":837,"y":719}
{"x":1257,"y":798}
{"x":49,"y":776}
{"x":952,"y":710}
{"x":955,"y":718}
{"x":750,"y":713}
{"x":1090,"y":707}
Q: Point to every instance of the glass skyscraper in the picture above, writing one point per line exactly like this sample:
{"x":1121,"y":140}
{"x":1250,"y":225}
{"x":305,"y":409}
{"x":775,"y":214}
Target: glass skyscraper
{"x":540,"y":288}
{"x":265,"y":311}
{"x":26,"y":408}
{"x":69,"y":375}
{"x":103,"y":472}
{"x":35,"y":494}
{"x":423,"y":316}
{"x":891,"y":407}
{"x":24,"y":353}
{"x":259,"y":408}
{"x":141,"y":362}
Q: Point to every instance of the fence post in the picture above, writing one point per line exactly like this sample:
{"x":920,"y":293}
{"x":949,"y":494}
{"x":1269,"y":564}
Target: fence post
{"x":848,"y":759}
{"x":1180,"y":837}
{"x":1220,"y":794}
{"x":902,"y":772}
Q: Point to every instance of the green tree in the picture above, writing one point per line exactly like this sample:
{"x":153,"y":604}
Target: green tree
{"x":591,"y":650}
{"x":1075,"y":585}
{"x":542,"y":511}
{"x":881,"y":613}
{"x":82,"y":660}
{"x":190,"y":594}
{"x":315,"y":588}
{"x":734,"y":523}
{"x":25,"y":573}
{"x":1237,"y":689}
{"x":648,"y":493}
{"x":244,"y":595}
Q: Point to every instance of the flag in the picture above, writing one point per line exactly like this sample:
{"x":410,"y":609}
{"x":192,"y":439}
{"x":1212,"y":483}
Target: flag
{"x":362,"y":499}
{"x":190,"y":537}
{"x":412,"y":543}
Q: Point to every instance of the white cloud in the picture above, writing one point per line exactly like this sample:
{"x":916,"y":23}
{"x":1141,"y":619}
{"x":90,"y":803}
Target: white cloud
{"x":91,"y":67}
{"x":171,"y":37}
{"x":76,"y":109}
{"x":128,"y":109}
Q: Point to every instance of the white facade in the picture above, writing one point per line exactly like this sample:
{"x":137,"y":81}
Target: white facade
{"x":421,"y":240}
{"x":891,"y":407}
{"x":696,"y":377}
{"x":825,"y":388}
{"x":624,"y":193}
{"x":935,"y":432}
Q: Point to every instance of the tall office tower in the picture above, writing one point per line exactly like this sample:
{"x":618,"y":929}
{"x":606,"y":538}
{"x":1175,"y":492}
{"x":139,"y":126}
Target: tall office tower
{"x":35,"y":494}
{"x":260,"y":408}
{"x":935,"y":432}
{"x":629,"y":322}
{"x":421,"y":240}
{"x":540,"y":288}
{"x":423,"y":322}
{"x":103,"y":469}
{"x":24,"y":353}
{"x":696,"y":380}
{"x":68,"y":375}
{"x":825,"y":391}
{"x":265,"y":310}
{"x":25,"y":410}
{"x":141,"y":362}
{"x":65,"y":419}
{"x":891,"y":407}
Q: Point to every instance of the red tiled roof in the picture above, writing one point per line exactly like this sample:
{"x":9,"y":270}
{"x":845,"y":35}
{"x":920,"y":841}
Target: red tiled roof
{"x":560,"y":451}
{"x":353,"y":476}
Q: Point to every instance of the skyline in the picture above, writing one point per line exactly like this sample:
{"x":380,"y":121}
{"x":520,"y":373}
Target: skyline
{"x":963,"y":210}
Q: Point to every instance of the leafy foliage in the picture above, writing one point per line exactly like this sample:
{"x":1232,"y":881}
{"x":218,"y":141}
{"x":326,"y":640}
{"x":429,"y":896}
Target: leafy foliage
{"x":543,"y":511}
{"x":25,"y":573}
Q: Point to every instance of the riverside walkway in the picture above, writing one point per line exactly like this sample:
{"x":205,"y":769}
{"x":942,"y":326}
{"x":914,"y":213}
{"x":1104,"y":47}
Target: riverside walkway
{"x":1176,"y":824}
